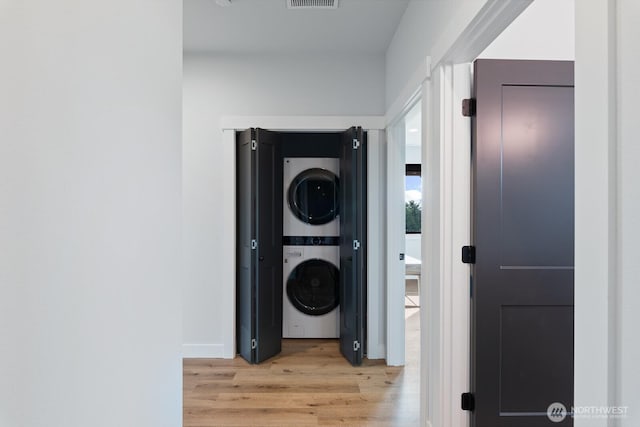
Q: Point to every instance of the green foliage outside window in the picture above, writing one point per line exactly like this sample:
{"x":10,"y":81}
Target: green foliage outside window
{"x":413,"y":216}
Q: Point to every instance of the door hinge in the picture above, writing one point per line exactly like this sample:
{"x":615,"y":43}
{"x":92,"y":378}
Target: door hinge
{"x":254,"y":145}
{"x":468,"y":402}
{"x":356,"y":143}
{"x":254,"y":244}
{"x":356,"y":245}
{"x":254,"y":344}
{"x":469,"y":254}
{"x":469,"y":107}
{"x":356,"y":346}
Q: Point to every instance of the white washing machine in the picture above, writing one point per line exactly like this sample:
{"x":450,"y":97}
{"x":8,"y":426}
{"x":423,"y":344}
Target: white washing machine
{"x":311,"y":292}
{"x":311,"y":186}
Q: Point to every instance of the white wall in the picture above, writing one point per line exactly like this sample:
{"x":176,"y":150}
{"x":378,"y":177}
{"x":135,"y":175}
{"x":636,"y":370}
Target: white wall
{"x":607,"y":209}
{"x":545,"y":31}
{"x":90,"y":182}
{"x":413,"y":245}
{"x":217,"y":85}
{"x":412,"y":41}
{"x":413,"y":154}
{"x":425,"y":25}
{"x":628,"y":194}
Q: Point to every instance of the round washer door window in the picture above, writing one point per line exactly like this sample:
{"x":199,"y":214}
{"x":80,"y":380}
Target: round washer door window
{"x":313,"y":286}
{"x":313,"y":196}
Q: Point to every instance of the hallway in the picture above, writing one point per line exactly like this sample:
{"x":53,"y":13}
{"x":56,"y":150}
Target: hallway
{"x":308,"y":384}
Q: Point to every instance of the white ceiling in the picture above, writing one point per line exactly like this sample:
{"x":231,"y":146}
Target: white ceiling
{"x":267,"y":26}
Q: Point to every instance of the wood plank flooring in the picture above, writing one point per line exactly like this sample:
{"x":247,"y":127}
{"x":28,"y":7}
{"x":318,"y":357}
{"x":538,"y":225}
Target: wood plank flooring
{"x":308,"y":384}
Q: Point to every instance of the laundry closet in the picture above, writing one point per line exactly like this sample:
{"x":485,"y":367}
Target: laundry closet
{"x":301,"y":240}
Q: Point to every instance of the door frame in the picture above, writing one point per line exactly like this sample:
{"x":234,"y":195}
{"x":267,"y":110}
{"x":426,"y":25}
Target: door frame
{"x":396,"y":240}
{"x":446,"y":218}
{"x":374,"y":126}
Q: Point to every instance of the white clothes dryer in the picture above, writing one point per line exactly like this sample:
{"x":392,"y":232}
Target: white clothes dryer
{"x":311,"y":292}
{"x":311,"y":186}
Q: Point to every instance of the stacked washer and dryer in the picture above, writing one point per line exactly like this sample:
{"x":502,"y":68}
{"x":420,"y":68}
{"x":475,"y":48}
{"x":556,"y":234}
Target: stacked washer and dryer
{"x":311,"y":251}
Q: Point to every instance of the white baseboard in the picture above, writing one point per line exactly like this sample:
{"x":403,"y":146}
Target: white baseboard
{"x":203,"y":351}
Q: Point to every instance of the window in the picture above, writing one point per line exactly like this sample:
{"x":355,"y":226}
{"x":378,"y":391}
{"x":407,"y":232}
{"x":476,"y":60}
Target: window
{"x":413,"y":198}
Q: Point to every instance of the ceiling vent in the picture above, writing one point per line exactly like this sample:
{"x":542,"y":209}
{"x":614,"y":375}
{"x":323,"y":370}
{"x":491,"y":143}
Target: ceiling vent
{"x":312,"y":4}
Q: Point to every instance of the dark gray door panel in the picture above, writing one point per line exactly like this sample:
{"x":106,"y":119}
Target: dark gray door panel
{"x":259,"y":271}
{"x":245,"y":217}
{"x":523,"y":210}
{"x":352,"y":244}
{"x":269,"y":232}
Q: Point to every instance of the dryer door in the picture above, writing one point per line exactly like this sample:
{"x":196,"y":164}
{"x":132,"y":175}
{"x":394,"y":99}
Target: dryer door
{"x":313,"y":196}
{"x":313,"y":287}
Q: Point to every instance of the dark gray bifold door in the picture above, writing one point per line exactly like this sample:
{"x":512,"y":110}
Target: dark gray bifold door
{"x":352,"y":244}
{"x":246,"y":257}
{"x":523,"y":210}
{"x":259,"y":242}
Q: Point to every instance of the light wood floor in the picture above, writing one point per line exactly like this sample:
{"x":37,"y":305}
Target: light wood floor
{"x":308,"y":384}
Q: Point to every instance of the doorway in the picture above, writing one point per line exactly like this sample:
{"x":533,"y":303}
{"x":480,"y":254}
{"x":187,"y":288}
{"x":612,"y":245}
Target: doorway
{"x":413,"y":204}
{"x":310,"y":217}
{"x":373,"y":126}
{"x":404,"y":235}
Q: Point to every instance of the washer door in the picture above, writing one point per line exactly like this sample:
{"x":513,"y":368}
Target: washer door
{"x":313,"y":196}
{"x":313,"y":287}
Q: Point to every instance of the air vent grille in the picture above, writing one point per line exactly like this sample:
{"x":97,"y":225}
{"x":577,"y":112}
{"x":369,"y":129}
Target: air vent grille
{"x":312,"y":4}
